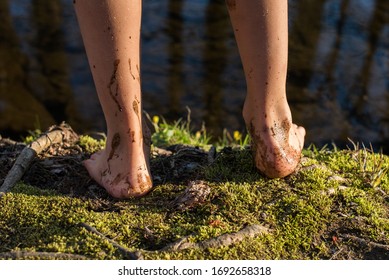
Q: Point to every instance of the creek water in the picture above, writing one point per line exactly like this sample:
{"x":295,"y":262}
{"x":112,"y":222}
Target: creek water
{"x":338,"y":77}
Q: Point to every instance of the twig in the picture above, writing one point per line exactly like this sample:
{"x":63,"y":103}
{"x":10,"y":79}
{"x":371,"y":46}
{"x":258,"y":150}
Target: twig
{"x":222,"y":240}
{"x":178,"y":245}
{"x":23,"y":254}
{"x":162,"y":152}
{"x":8,"y":141}
{"x":336,"y":254}
{"x":365,"y":242}
{"x":55,"y":134}
{"x":183,"y":243}
{"x":126,"y":252}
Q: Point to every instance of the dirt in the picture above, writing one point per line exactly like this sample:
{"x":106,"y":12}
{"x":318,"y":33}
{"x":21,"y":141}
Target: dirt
{"x":60,"y":167}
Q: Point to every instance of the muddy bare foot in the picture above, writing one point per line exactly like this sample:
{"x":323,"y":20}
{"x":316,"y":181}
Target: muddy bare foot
{"x":276,"y":146}
{"x":122,"y":168}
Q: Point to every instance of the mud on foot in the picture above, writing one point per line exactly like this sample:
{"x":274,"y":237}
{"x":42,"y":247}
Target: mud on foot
{"x":277,"y":148}
{"x":122,"y":168}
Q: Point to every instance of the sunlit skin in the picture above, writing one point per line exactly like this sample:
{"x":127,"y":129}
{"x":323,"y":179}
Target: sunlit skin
{"x":111,"y":35}
{"x":261,"y":32}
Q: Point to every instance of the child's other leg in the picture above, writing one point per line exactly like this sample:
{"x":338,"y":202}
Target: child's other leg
{"x":111,"y":34}
{"x":261,"y":32}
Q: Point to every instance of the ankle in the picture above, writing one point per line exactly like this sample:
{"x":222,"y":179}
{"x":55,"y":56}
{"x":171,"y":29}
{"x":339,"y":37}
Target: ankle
{"x":263,"y":118}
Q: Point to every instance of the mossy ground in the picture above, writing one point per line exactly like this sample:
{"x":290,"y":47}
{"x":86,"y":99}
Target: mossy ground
{"x":311,"y":214}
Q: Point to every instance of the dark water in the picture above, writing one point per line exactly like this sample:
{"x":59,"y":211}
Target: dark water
{"x":338,"y":79}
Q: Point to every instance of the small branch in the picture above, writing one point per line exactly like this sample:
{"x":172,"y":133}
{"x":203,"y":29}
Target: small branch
{"x":182,"y":244}
{"x":55,"y":134}
{"x":365,"y":242}
{"x":8,"y":141}
{"x":23,"y":254}
{"x":232,"y":238}
{"x":126,"y":252}
{"x":178,"y":245}
{"x":336,"y":254}
{"x":222,"y":240}
{"x":161,"y":152}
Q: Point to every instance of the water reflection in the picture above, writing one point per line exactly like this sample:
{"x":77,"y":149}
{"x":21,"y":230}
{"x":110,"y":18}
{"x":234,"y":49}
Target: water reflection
{"x":351,"y":34}
{"x":35,"y":89}
{"x":215,"y":54}
{"x":49,"y":68}
{"x":17,"y":104}
{"x":174,"y":29}
{"x":338,"y":77}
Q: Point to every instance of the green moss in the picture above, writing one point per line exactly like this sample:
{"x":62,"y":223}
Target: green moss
{"x":90,"y":144}
{"x":303,"y":212}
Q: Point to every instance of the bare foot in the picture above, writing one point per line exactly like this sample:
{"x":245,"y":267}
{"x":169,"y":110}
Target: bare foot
{"x":122,"y":168}
{"x":276,"y":144}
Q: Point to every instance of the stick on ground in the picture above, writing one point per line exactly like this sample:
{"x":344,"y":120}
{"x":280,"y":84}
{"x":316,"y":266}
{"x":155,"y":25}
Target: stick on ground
{"x":16,"y":255}
{"x":365,"y":242}
{"x":126,"y":252}
{"x":226,"y":239}
{"x":55,"y":135}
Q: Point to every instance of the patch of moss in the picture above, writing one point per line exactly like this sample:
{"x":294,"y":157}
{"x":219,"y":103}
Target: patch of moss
{"x":90,"y":144}
{"x":305,"y":212}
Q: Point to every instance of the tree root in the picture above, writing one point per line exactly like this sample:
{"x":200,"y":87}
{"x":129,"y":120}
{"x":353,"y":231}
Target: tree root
{"x":54,"y":135}
{"x":15,"y":255}
{"x":127,"y":254}
{"x":227,"y":239}
{"x":365,"y":242}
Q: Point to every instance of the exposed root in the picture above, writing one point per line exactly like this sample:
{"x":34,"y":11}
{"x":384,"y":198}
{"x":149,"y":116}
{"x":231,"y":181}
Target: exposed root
{"x":227,"y":239}
{"x":365,"y":242}
{"x":55,"y":135}
{"x":19,"y":255}
{"x":127,"y":254}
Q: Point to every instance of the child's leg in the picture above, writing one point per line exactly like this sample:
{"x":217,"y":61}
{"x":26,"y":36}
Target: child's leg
{"x":111,"y":34}
{"x":261,"y":32}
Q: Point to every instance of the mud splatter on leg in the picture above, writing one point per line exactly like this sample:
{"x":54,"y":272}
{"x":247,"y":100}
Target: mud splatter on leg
{"x":129,"y":63}
{"x":138,"y":78}
{"x":132,"y":136}
{"x":114,"y":145}
{"x":117,"y":83}
{"x":135,"y":107}
{"x":113,"y":85}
